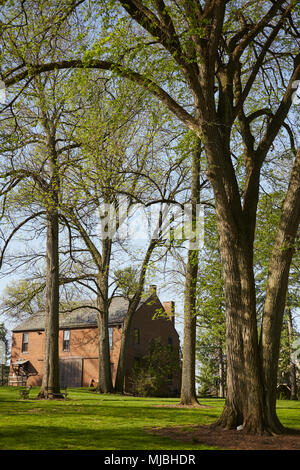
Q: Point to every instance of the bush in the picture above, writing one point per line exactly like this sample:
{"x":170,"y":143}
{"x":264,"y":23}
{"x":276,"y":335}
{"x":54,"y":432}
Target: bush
{"x":152,"y":374}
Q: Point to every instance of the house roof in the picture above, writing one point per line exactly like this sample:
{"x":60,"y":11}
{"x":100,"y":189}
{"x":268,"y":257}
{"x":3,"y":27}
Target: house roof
{"x":85,"y":316}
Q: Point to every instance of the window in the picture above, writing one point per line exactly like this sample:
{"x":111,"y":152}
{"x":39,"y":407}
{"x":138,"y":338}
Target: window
{"x":110,"y":332}
{"x":136,"y":338}
{"x":170,"y":343}
{"x":25,"y":342}
{"x":66,"y":341}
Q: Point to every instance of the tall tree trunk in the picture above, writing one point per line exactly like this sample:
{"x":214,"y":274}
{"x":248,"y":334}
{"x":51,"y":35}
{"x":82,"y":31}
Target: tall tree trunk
{"x":105,"y":377}
{"x":50,"y":382}
{"x":293,"y":370}
{"x":252,"y":377}
{"x":188,"y":391}
{"x":244,"y":397}
{"x":276,"y":290}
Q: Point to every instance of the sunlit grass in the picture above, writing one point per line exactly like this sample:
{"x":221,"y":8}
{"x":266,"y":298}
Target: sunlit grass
{"x":89,"y":421}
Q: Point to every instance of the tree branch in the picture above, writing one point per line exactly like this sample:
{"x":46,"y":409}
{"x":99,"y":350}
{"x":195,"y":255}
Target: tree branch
{"x":146,"y":83}
{"x":15,"y":230}
{"x":280,"y":115}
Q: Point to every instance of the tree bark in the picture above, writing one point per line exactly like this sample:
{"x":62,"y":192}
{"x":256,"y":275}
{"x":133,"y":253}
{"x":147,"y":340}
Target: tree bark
{"x":244,"y":397}
{"x":276,"y":290}
{"x":105,"y":377}
{"x":50,"y":382}
{"x":252,"y":372}
{"x":188,"y":391}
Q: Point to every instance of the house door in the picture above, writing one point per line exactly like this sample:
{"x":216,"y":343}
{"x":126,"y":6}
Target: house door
{"x":70,"y":372}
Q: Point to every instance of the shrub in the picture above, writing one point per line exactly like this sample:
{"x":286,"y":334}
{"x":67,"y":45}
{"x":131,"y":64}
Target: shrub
{"x":153,"y":373}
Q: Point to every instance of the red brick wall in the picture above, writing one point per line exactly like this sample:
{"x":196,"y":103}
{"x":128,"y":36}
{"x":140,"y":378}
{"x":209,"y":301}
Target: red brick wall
{"x":84,"y":344}
{"x":152,"y":323}
{"x":35,"y":353}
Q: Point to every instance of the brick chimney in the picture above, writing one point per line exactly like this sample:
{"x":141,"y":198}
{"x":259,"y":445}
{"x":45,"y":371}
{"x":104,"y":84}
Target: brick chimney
{"x":170,"y":310}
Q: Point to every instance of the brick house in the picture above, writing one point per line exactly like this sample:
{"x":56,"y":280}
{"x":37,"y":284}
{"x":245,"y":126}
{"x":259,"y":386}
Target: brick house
{"x":78,"y":342}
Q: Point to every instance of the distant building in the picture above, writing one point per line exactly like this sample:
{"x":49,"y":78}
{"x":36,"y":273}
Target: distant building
{"x":78,"y":342}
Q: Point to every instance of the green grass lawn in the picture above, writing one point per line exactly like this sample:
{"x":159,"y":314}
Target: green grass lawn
{"x":89,"y":421}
